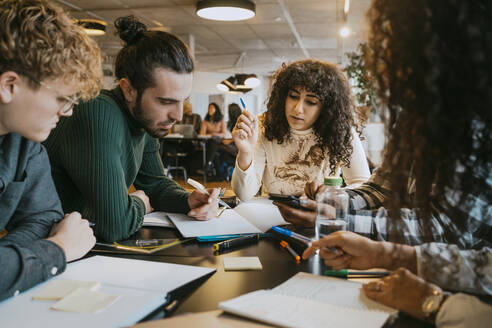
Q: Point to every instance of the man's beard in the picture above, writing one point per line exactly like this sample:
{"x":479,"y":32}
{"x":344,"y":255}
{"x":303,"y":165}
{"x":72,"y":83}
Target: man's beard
{"x":147,"y":123}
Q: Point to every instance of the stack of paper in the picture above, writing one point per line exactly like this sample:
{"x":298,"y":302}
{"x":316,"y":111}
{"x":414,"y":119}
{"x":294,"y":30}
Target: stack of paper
{"x":308,"y":300}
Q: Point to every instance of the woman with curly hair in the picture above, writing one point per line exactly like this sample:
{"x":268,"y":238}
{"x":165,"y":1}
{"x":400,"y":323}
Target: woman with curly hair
{"x":213,"y":124}
{"x":308,"y":132}
{"x":432,"y":61}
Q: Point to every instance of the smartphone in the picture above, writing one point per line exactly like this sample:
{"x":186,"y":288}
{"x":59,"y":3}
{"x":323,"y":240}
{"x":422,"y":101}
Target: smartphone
{"x":289,"y":200}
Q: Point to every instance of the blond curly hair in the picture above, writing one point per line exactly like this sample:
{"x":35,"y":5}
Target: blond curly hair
{"x":38,"y":39}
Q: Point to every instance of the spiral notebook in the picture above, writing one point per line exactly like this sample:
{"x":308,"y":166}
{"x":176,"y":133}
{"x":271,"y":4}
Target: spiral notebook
{"x":308,"y":300}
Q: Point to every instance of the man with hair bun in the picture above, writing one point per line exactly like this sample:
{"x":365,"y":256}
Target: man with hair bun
{"x":46,"y":65}
{"x":111,"y":142}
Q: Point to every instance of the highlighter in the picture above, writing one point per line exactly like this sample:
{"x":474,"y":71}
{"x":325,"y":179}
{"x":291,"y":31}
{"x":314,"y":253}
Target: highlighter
{"x":236,"y":242}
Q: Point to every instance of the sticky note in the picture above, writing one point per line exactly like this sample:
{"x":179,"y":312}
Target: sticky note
{"x":59,"y":288}
{"x":83,"y":300}
{"x":242,"y":263}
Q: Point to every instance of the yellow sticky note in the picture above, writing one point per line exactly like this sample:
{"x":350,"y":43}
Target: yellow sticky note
{"x":83,"y":300}
{"x":59,"y":288}
{"x":242,"y":263}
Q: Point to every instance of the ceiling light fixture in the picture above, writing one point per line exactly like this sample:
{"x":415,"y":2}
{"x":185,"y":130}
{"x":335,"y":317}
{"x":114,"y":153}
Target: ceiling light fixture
{"x":344,"y":32}
{"x":252,"y":82}
{"x":226,"y":10}
{"x":239,"y":83}
{"x":93,"y":27}
{"x":346,"y":7}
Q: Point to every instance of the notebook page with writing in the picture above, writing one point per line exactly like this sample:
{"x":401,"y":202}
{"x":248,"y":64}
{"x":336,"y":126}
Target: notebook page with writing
{"x":330,"y":290}
{"x":288,"y":311}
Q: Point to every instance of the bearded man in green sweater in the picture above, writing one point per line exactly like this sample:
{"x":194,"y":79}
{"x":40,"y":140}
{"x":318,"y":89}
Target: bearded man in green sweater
{"x":110,"y":143}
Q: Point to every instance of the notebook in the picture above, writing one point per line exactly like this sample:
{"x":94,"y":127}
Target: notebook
{"x":256,"y":216}
{"x":308,"y":300}
{"x":140,"y":287}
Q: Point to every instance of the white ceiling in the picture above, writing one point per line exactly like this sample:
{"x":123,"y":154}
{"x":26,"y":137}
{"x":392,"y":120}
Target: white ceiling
{"x":266,"y":40}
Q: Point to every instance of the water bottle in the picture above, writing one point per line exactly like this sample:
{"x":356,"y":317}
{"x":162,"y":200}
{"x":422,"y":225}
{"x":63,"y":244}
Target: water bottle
{"x":332,"y":208}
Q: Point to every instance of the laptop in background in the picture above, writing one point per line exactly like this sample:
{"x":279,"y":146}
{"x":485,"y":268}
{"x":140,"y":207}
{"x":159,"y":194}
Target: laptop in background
{"x":186,"y":130}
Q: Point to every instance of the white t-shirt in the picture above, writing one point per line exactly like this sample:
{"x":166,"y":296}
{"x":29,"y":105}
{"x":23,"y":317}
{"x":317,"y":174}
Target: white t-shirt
{"x":286,"y":168}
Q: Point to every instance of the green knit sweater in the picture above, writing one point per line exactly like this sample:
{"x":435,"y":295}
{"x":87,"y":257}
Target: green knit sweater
{"x":97,"y":154}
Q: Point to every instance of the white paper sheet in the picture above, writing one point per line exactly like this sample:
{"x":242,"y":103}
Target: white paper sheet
{"x":146,"y":275}
{"x":131,"y":306}
{"x":142,"y":286}
{"x":330,"y":290}
{"x":157,"y":219}
{"x":59,"y":288}
{"x":229,"y":222}
{"x":261,"y":213}
{"x":309,"y":300}
{"x":288,"y":311}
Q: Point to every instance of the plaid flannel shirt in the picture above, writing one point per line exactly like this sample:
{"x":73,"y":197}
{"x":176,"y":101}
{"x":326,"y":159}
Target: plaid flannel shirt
{"x":465,"y":266}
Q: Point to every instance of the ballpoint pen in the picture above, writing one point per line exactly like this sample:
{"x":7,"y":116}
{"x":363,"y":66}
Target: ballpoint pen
{"x":242,"y":103}
{"x":302,"y":238}
{"x":286,"y":245}
{"x":356,"y":274}
{"x":201,"y":187}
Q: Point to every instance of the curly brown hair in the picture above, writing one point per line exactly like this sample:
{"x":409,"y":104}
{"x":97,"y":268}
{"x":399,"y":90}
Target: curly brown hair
{"x":333,"y":128}
{"x":38,"y":38}
{"x":432,"y":60}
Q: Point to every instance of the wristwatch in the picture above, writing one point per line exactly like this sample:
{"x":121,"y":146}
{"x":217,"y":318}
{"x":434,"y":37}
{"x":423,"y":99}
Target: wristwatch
{"x":432,"y":304}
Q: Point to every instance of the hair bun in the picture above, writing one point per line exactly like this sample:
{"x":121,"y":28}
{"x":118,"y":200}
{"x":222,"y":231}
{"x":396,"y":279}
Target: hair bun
{"x":129,"y":29}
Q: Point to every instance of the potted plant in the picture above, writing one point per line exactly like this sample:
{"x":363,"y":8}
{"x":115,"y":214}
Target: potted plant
{"x":362,"y":82}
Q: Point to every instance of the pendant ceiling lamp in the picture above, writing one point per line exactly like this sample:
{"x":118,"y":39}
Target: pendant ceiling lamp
{"x":226,"y":10}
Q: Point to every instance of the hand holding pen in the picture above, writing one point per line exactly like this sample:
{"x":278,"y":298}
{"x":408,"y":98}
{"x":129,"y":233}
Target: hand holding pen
{"x":245,"y":135}
{"x":206,"y":205}
{"x":357,"y":252}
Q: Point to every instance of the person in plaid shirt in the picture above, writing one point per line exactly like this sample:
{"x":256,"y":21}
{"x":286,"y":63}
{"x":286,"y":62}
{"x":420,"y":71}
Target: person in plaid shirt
{"x":427,"y":211}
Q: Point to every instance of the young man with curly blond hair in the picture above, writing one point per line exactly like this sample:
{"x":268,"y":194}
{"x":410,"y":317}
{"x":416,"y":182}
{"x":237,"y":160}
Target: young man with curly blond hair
{"x":46,"y":65}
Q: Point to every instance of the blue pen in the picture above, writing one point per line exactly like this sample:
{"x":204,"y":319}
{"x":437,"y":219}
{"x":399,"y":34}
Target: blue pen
{"x":242,"y":103}
{"x":302,"y":238}
{"x":292,"y":234}
{"x":206,"y":239}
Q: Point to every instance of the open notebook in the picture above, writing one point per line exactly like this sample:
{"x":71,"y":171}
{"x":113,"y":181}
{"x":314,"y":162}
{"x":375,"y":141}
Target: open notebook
{"x":308,"y":300}
{"x":255,"y":216}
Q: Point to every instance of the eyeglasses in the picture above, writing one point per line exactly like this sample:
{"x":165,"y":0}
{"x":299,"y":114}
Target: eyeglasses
{"x":69,"y":101}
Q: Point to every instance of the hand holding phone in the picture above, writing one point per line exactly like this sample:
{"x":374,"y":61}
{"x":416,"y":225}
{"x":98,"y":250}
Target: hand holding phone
{"x":289,"y":200}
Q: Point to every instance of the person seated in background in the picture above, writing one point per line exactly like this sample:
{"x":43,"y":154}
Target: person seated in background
{"x":308,"y":132}
{"x":46,"y":64}
{"x":169,"y":148}
{"x":234,"y":113}
{"x":228,"y":150}
{"x":111,"y":142}
{"x":436,"y":177}
{"x":191,"y":118}
{"x":213,"y":125}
